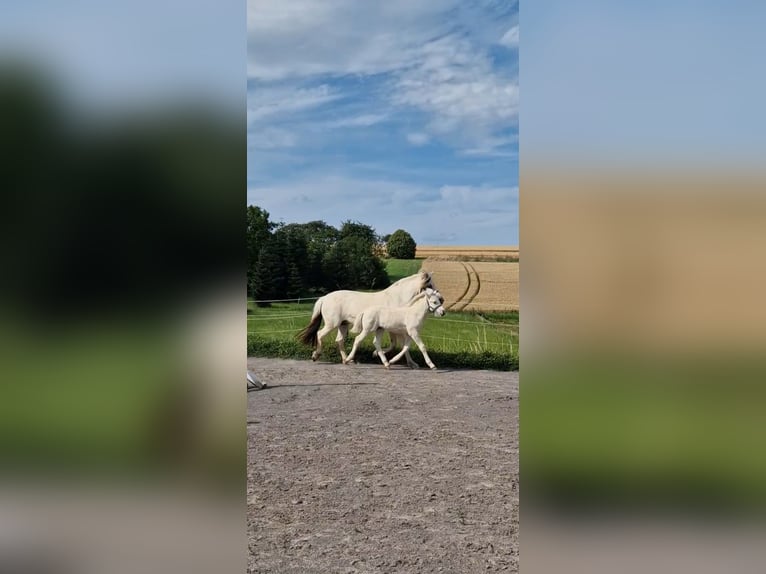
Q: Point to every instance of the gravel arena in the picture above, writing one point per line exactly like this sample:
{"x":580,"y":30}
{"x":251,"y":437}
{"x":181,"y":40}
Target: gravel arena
{"x":359,"y":469}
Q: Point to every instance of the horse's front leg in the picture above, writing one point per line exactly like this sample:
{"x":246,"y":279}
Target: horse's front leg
{"x":422,"y":346}
{"x":340,"y":339}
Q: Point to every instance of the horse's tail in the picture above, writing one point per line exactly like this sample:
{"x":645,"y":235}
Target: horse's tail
{"x":357,"y":328}
{"x":308,"y":336}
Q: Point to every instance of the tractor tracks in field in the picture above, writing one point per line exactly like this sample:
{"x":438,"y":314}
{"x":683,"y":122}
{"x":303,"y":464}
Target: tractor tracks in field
{"x":471,"y":291}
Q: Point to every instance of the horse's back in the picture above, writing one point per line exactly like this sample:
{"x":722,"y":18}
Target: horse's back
{"x":344,"y":306}
{"x":347,"y":302}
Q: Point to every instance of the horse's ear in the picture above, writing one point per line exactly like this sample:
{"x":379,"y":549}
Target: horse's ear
{"x":426,"y":276}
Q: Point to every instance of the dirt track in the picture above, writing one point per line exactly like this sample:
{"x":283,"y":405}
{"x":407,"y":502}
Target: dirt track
{"x":355,"y":469}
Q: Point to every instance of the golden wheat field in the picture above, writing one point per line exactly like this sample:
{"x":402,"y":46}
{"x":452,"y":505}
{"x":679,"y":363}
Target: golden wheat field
{"x":476,"y":285}
{"x":468,"y":253}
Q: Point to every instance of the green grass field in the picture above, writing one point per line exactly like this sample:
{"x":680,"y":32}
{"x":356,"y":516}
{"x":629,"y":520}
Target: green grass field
{"x":399,"y":268}
{"x":455,"y":340}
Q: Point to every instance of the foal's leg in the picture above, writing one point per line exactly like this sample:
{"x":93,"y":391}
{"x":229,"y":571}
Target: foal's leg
{"x":392,"y":343}
{"x":359,"y":338}
{"x":410,"y":362}
{"x":340,"y":339}
{"x":378,"y":350}
{"x":422,"y":346}
{"x":405,"y":348}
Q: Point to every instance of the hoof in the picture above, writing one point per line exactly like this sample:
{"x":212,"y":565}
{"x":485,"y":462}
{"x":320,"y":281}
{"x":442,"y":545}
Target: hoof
{"x":433,"y":368}
{"x":387,"y":366}
{"x":349,"y":362}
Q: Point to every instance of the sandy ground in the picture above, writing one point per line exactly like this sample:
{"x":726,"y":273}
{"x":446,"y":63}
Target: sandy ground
{"x":355,"y":469}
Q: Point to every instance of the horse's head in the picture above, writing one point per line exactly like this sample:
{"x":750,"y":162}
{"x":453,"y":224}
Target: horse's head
{"x":435,"y":302}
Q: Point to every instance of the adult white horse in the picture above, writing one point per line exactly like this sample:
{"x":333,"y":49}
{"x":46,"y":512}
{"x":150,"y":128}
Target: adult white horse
{"x":340,"y":309}
{"x":405,"y":321}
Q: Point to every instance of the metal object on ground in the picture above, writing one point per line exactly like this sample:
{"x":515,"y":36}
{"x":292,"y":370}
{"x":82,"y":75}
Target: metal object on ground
{"x":253,"y":384}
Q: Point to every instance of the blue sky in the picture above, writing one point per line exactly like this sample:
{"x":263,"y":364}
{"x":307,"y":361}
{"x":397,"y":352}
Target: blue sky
{"x":395,"y":113}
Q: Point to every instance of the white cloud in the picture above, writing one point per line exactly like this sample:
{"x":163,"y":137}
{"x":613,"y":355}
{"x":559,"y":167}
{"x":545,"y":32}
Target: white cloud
{"x":493,"y":198}
{"x":454,"y":83}
{"x":418,"y":138}
{"x":511,"y":38}
{"x":360,"y":121}
{"x":267,"y":102}
{"x":418,"y":48}
{"x":268,"y":138}
{"x":472,"y":214}
{"x":299,"y":38}
{"x":493,"y":147}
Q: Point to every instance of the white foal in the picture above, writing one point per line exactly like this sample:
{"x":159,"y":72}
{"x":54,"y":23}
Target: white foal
{"x":406,"y":321}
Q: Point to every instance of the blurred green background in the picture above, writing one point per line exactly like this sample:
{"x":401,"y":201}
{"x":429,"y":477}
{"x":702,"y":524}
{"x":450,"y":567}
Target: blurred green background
{"x":114,"y":232}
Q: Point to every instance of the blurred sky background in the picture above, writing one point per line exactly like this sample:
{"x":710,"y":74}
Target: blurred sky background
{"x":644,"y":85}
{"x":124,"y":55}
{"x":397,"y":114}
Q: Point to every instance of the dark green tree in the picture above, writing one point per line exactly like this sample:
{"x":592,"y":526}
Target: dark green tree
{"x":358,"y":229}
{"x":271,"y":277}
{"x":401,"y":245}
{"x":294,"y":282}
{"x":352,"y":265}
{"x":319,"y":237}
{"x":259,"y":230}
{"x":293,"y":241}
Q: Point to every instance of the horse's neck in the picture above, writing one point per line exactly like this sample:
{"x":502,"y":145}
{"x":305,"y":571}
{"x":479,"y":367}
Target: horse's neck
{"x":407,"y":289}
{"x":401,"y":296}
{"x":417,"y":303}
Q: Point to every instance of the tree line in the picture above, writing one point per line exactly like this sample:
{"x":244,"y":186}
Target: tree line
{"x":287,"y":261}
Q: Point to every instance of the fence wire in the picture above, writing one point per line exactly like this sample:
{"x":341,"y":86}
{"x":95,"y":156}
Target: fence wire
{"x":307,"y":299}
{"x":272,"y":317}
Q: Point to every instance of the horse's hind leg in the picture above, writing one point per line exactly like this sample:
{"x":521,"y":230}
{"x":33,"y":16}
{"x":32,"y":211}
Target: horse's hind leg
{"x":340,"y":339}
{"x":323,"y":332}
